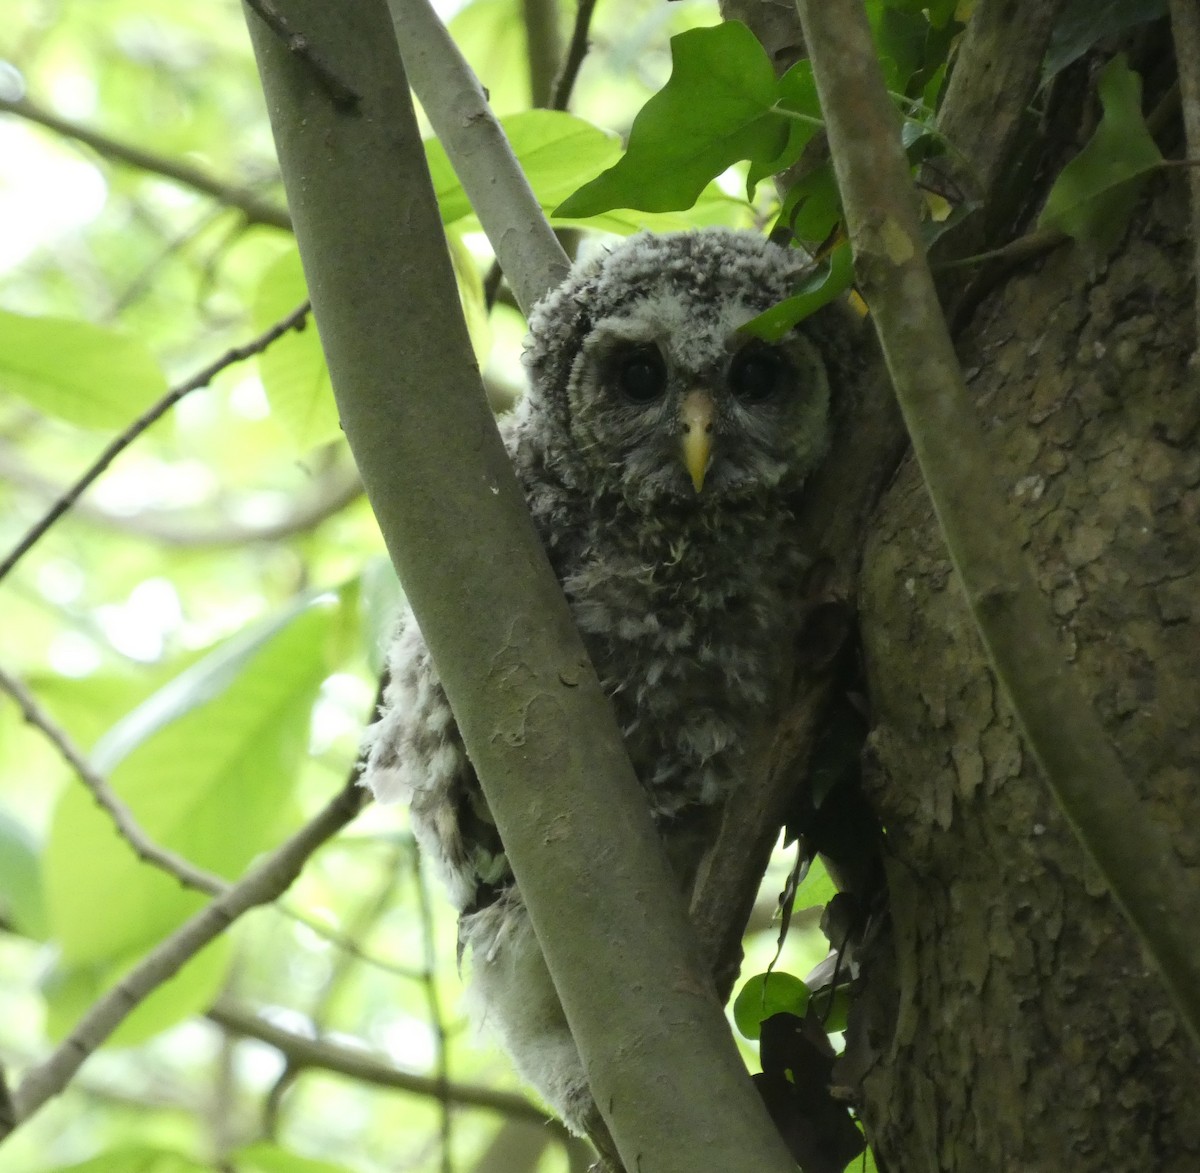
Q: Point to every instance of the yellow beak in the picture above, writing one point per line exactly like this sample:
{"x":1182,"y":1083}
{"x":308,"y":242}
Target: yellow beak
{"x":697,"y":415}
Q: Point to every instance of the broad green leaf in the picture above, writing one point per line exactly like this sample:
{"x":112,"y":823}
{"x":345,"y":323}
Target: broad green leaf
{"x":812,"y":207}
{"x":471,"y":296}
{"x":204,"y":681}
{"x":1084,"y":23}
{"x":70,"y":992}
{"x":1094,"y":195}
{"x":714,"y":111}
{"x":21,"y":900}
{"x":766,"y":994}
{"x":270,"y":1158}
{"x":830,"y":280}
{"x":209,"y":776}
{"x":817,"y":890}
{"x":79,"y":372}
{"x":135,"y":1159}
{"x":557,"y":151}
{"x":798,"y":96}
{"x":292,"y":368}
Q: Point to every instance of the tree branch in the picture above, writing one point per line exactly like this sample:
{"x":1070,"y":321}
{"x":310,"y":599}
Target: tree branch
{"x":544,"y":48}
{"x":564,"y":84}
{"x":1060,"y":726}
{"x":294,"y":321}
{"x":526,"y":249}
{"x":326,"y":1055}
{"x":261,"y":885}
{"x":545,"y":744}
{"x":1185,"y":30}
{"x":255,"y":209}
{"x":122,"y":817}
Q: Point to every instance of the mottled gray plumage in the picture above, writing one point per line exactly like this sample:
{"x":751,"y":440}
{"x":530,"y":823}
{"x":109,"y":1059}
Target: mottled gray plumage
{"x":661,"y":452}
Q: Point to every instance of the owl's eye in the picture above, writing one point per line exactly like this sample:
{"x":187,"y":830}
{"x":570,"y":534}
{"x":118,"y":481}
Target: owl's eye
{"x":755,"y":374}
{"x":642,"y":374}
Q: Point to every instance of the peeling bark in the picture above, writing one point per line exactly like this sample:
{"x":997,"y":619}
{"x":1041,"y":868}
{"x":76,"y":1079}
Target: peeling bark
{"x":1007,"y":1019}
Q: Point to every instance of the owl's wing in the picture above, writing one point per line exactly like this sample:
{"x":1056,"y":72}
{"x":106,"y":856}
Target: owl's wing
{"x":415,"y":753}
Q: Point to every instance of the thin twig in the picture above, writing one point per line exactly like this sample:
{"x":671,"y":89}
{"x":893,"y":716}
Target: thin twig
{"x":326,"y":1055}
{"x":577,"y":50}
{"x":1185,"y":30}
{"x":1015,"y":252}
{"x":261,"y":885}
{"x":256,"y":210}
{"x":294,"y":321}
{"x":429,"y":976}
{"x":298,"y":44}
{"x":122,"y":817}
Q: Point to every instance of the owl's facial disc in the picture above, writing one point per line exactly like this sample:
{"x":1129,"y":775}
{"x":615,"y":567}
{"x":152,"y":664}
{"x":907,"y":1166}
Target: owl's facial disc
{"x":696,"y":412}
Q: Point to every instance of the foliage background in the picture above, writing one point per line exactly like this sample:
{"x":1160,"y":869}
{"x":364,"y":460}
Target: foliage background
{"x":205,"y":623}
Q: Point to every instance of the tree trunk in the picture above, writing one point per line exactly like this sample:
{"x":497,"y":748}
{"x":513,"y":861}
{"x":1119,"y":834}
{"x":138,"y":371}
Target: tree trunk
{"x":1008,"y":1020}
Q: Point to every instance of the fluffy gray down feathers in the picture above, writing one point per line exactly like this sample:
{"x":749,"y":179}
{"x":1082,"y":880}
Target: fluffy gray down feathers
{"x":682,"y":593}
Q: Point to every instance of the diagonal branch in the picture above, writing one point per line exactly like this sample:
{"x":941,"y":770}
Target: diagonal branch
{"x":327,"y":1055}
{"x":261,"y":885}
{"x":536,"y":724}
{"x":577,"y":50}
{"x":525,"y":247}
{"x":122,"y":817}
{"x":1060,"y":726}
{"x":253,"y":207}
{"x":294,"y":321}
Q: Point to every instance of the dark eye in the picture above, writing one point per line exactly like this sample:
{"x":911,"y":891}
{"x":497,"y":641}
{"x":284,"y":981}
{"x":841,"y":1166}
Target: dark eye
{"x":642,"y":374}
{"x":755,"y":375}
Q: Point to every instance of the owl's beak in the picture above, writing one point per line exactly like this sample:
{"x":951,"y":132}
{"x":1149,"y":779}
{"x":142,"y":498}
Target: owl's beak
{"x":697,"y":416}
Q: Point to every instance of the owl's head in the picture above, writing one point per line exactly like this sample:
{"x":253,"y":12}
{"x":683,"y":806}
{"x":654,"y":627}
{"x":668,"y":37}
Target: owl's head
{"x":643,"y":384}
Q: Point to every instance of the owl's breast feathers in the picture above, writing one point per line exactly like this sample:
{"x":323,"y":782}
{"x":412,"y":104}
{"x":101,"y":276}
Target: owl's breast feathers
{"x":685,"y":613}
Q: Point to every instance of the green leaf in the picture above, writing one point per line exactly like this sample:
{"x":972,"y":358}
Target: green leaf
{"x":293,"y":371}
{"x":70,"y":991}
{"x":81,"y":373}
{"x":1094,"y":195}
{"x":21,"y":900}
{"x":797,"y":95}
{"x":270,"y":1158}
{"x":135,"y":1159}
{"x":1084,"y":23}
{"x":817,"y":890}
{"x":714,"y":111}
{"x":766,"y":994}
{"x":828,"y":281}
{"x":209,"y":775}
{"x":557,"y":151}
{"x":812,"y":207}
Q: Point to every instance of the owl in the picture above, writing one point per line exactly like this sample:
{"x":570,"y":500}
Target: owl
{"x":662,"y":451}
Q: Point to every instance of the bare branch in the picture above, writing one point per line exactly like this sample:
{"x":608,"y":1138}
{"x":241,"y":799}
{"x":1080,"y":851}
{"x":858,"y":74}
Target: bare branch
{"x":577,"y":50}
{"x":326,"y":1055}
{"x":294,"y":321}
{"x":1060,"y":725}
{"x":255,"y":209}
{"x":530,"y":256}
{"x":123,"y":819}
{"x":1185,"y":29}
{"x":261,"y":885}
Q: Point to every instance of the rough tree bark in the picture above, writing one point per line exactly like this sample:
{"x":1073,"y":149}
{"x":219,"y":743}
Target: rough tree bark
{"x":1007,"y":1019}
